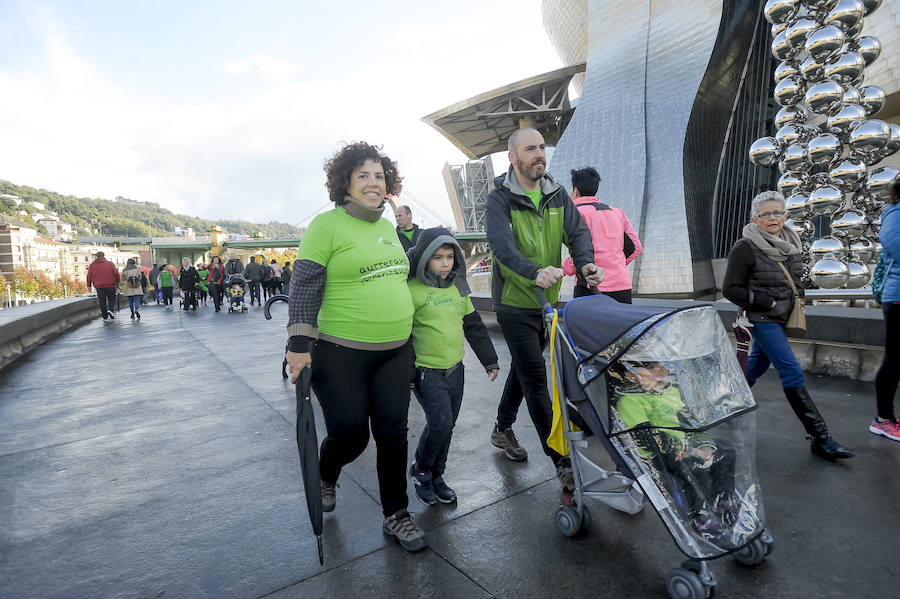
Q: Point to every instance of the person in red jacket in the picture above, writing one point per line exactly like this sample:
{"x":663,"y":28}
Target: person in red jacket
{"x":616,"y":243}
{"x":103,"y":276}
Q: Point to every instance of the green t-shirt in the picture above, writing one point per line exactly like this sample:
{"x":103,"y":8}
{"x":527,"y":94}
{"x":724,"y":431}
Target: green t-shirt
{"x":366,"y":297}
{"x":408,"y":234}
{"x":437,"y":324}
{"x":535,"y":197}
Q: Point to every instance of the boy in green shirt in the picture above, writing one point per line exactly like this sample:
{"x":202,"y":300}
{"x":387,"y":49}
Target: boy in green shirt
{"x":443,"y":316}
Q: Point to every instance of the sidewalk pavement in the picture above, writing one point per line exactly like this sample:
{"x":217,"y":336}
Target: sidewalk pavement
{"x":157,"y":458}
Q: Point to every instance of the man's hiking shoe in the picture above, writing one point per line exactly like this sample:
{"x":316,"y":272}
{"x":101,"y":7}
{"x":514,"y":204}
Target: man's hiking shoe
{"x":444,"y":493}
{"x":423,"y":485}
{"x":564,"y":474}
{"x":506,"y":440}
{"x":329,"y":496}
{"x":402,"y":526}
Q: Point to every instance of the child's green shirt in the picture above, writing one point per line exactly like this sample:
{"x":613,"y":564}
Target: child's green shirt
{"x":437,"y":329}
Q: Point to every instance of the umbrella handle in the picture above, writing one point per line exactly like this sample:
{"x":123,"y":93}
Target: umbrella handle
{"x":303,"y":382}
{"x":275,"y":298}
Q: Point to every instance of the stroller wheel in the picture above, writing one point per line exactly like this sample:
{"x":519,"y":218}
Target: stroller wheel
{"x":681,"y":583}
{"x":752,"y":554}
{"x":568,"y":521}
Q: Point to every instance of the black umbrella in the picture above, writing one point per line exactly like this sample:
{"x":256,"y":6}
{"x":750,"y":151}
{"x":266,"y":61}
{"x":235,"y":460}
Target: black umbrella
{"x":307,"y":444}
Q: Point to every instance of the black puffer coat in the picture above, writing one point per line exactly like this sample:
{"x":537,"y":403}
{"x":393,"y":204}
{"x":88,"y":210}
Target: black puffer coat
{"x":753,"y":280}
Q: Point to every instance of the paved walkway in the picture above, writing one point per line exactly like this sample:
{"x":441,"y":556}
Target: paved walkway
{"x":157,"y":458}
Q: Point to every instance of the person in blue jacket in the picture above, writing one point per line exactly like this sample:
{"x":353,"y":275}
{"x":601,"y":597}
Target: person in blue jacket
{"x":885,"y":422}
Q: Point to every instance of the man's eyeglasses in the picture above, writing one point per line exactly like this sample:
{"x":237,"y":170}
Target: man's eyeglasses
{"x":775,"y":213}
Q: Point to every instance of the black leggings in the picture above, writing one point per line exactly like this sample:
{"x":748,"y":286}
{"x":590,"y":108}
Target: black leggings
{"x":356,"y":387}
{"x":889,"y":373}
{"x":623,"y":297}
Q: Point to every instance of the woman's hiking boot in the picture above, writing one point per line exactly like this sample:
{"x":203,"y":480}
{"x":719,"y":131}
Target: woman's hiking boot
{"x":402,"y":526}
{"x":822,"y":444}
{"x":506,"y":440}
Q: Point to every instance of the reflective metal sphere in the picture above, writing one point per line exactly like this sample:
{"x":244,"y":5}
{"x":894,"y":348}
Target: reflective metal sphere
{"x":824,"y":148}
{"x":803,"y":228}
{"x":824,"y":96}
{"x":863,"y":250}
{"x":797,"y":206}
{"x":811,"y":71}
{"x":847,"y":14}
{"x":819,"y":5}
{"x":868,"y":46}
{"x":790,"y":114}
{"x":871,"y":6}
{"x":852,"y":95}
{"x":857,"y":29}
{"x":781,"y":11}
{"x":893,"y":143}
{"x":859,"y":274}
{"x":821,"y":44}
{"x":765,"y":151}
{"x":846,"y":68}
{"x":879,"y":182}
{"x":844,"y":119}
{"x":781,"y":49}
{"x":849,"y":225}
{"x":789,"y":183}
{"x":869,"y":137}
{"x":829,"y":274}
{"x":828,"y":247}
{"x":789,"y":134}
{"x":787,"y":68}
{"x":874,"y":225}
{"x":848,"y":175}
{"x":872,"y":99}
{"x":800,"y":29}
{"x":789,"y":91}
{"x":863,"y":200}
{"x":794,"y":158}
{"x":826,"y":200}
{"x":816,"y":180}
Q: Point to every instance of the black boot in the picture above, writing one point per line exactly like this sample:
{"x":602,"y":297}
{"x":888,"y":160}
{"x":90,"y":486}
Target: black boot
{"x":822,"y":443}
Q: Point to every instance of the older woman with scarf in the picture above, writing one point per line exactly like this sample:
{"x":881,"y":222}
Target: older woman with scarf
{"x":756,"y":280}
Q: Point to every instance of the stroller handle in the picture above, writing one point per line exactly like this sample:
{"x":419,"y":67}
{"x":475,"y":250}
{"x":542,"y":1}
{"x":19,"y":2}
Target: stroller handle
{"x":275,"y":298}
{"x":542,"y":298}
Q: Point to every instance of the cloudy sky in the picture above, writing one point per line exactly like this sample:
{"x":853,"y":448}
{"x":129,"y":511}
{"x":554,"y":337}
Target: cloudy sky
{"x":228,"y":109}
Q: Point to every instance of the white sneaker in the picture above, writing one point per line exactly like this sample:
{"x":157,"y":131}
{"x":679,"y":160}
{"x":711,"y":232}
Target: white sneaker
{"x":110,"y":314}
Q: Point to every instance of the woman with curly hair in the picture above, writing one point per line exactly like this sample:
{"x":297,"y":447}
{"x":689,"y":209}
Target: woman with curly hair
{"x":350,"y":321}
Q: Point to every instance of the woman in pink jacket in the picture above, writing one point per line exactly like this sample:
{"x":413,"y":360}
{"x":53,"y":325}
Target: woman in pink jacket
{"x":616,"y":243}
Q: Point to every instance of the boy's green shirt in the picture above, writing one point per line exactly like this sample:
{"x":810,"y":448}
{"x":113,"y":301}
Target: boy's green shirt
{"x":437,"y":330}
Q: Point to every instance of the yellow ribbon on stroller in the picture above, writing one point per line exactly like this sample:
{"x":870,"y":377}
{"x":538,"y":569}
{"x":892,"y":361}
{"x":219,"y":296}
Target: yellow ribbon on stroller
{"x":557,"y":440}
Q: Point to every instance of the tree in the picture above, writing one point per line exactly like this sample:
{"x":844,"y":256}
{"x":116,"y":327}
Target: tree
{"x":24,"y":282}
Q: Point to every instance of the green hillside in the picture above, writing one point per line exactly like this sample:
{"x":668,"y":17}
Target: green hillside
{"x":128,"y":217}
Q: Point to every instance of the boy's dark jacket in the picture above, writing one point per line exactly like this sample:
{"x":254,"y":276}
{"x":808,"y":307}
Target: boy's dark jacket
{"x":473,"y":328}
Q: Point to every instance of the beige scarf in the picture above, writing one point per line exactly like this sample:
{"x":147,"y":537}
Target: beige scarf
{"x":777,"y":247}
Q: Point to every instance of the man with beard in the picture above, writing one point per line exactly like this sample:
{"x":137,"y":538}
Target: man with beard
{"x":528,"y":218}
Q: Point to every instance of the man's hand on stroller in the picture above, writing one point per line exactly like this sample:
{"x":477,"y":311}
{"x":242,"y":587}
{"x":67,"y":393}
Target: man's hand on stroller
{"x":548,"y":276}
{"x":593,"y":274}
{"x":297,"y":362}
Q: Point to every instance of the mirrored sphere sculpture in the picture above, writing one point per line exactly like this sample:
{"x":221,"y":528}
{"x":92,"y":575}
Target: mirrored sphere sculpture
{"x":863,"y":200}
{"x":879,"y":182}
{"x":803,"y":228}
{"x":781,"y":49}
{"x":788,"y":183}
{"x":875,"y":225}
{"x":823,"y":149}
{"x":781,"y":11}
{"x":823,"y":96}
{"x":765,"y":152}
{"x":789,"y":91}
{"x":851,"y":224}
{"x":871,"y":6}
{"x":869,"y":137}
{"x":858,"y":275}
{"x":821,"y":44}
{"x":868,"y":46}
{"x":826,"y":200}
{"x":845,"y":69}
{"x":829,"y":274}
{"x":844,"y":119}
{"x":788,"y":68}
{"x":848,"y":175}
{"x":863,"y":250}
{"x":851,"y":94}
{"x":801,"y":29}
{"x":810,"y":70}
{"x":790,"y":114}
{"x":828,"y":247}
{"x":847,"y":14}
{"x":819,"y":5}
{"x":893,"y":143}
{"x":789,"y":134}
{"x":872,"y":99}
{"x":797,"y":206}
{"x":794,"y":158}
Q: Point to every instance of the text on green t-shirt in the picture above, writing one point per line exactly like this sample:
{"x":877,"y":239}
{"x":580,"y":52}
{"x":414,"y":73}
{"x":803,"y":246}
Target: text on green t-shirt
{"x":437,"y":324}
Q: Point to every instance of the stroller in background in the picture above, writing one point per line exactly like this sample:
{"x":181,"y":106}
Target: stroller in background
{"x":236,"y":289}
{"x":711,"y":502}
{"x":189,"y":298}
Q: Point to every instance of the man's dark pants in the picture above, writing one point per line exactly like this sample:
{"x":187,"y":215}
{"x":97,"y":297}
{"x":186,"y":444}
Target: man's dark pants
{"x":254,"y":291}
{"x":524,"y":334}
{"x":107,"y":297}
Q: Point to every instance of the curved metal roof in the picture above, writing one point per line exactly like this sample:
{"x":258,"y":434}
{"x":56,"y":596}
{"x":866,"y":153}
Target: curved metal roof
{"x":482,"y":124}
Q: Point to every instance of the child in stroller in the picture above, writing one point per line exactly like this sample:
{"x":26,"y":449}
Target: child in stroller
{"x":698,"y":468}
{"x":236,"y":289}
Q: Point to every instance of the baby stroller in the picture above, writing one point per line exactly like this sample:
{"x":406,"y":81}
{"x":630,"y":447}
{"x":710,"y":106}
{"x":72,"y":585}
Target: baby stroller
{"x":235,"y":289}
{"x":188,"y":298}
{"x":659,"y":393}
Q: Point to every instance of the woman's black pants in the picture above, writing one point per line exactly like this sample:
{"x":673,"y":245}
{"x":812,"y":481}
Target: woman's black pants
{"x":355,"y":388}
{"x":889,"y":374}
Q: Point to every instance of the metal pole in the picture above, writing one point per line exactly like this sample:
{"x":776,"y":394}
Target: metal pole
{"x":8,"y":296}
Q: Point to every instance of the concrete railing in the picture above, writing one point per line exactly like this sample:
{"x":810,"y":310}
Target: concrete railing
{"x":840,"y":341}
{"x":25,"y":327}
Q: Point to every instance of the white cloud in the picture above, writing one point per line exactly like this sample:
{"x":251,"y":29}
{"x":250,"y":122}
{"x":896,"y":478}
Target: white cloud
{"x":278,"y":69}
